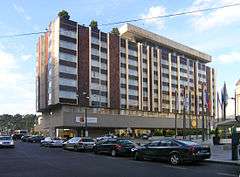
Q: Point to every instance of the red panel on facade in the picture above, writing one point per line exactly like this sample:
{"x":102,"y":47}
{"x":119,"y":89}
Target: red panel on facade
{"x":83,"y":65}
{"x":114,"y":71}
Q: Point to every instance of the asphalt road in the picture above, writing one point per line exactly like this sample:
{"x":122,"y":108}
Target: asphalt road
{"x":30,"y":160}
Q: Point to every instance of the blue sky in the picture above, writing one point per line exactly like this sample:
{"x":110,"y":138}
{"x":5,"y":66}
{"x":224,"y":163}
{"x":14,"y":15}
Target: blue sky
{"x":216,"y":33}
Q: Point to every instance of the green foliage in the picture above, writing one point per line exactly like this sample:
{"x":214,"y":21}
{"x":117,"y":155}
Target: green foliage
{"x":64,"y":14}
{"x":17,"y":121}
{"x":158,"y":132}
{"x":115,"y":31}
{"x":93,"y":24}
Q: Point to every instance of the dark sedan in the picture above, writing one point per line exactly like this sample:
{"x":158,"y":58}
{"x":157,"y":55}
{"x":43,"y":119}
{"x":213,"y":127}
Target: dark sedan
{"x":35,"y":139}
{"x":115,"y":147}
{"x":173,"y":150}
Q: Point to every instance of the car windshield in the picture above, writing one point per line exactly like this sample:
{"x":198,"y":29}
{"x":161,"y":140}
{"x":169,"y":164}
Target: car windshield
{"x":87,"y":140}
{"x":5,"y":138}
{"x":125,"y":142}
{"x":190,"y":143}
{"x":74,"y":139}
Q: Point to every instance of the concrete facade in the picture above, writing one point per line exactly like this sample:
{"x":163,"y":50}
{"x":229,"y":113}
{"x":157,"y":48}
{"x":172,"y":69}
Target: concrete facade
{"x":131,"y":80}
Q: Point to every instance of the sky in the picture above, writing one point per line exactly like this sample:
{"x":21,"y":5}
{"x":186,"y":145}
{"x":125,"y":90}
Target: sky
{"x":216,"y":33}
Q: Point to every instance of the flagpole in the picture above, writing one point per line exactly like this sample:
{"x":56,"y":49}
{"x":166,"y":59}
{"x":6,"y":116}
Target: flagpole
{"x":203,"y":131}
{"x":184,"y":113}
{"x":176,"y":110}
{"x":190,"y":108}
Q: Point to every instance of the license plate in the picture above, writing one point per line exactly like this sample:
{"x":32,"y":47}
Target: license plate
{"x":5,"y":142}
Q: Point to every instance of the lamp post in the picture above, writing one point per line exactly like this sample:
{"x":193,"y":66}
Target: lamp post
{"x":235,"y":140}
{"x":85,"y":95}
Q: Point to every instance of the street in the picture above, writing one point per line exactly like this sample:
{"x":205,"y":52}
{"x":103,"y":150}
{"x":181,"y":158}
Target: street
{"x":31,"y":160}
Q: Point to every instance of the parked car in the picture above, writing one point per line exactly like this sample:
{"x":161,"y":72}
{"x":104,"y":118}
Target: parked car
{"x":45,"y":141}
{"x":35,"y":139}
{"x":173,"y":150}
{"x":106,"y":137}
{"x":6,"y":141}
{"x":115,"y":147}
{"x":79,"y":143}
{"x":25,"y":138}
{"x":56,"y":142}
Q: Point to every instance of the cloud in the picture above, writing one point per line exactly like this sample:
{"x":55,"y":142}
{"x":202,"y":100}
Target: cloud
{"x":26,"y":57}
{"x":17,"y":86}
{"x":232,"y":57}
{"x":153,"y":12}
{"x":20,"y":10}
{"x":217,"y":18}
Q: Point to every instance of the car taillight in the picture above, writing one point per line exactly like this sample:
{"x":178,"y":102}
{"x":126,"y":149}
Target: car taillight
{"x":118,"y":146}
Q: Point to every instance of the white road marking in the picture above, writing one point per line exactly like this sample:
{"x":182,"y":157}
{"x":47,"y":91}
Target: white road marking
{"x":226,"y":174}
{"x":175,"y":167}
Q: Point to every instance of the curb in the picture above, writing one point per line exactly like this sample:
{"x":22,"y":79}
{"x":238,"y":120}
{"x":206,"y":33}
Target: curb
{"x":223,"y":162}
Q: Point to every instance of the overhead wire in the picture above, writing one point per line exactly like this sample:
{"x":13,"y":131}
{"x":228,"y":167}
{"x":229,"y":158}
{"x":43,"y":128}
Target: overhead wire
{"x":133,"y":20}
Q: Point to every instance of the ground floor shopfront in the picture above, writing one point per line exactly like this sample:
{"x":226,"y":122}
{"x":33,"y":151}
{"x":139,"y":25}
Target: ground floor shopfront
{"x":66,"y":121}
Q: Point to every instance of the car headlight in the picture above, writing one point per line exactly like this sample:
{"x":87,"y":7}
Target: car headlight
{"x":1,"y":143}
{"x":133,"y":149}
{"x":12,"y":143}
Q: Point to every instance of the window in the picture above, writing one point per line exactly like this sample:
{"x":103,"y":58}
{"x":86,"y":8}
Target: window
{"x":67,"y":57}
{"x":67,"y":94}
{"x":153,"y":144}
{"x":68,"y":82}
{"x":66,"y":69}
{"x":67,"y":45}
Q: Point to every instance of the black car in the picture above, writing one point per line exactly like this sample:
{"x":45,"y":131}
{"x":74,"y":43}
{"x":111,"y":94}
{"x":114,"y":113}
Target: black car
{"x":25,"y":138}
{"x":115,"y":147}
{"x":35,"y":139}
{"x":173,"y":150}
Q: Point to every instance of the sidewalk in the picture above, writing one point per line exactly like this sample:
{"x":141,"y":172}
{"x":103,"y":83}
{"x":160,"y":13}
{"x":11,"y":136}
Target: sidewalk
{"x":222,"y":154}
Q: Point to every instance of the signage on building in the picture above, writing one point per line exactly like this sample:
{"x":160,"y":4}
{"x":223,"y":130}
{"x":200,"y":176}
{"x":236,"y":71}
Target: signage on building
{"x":80,"y":119}
{"x":92,"y":120}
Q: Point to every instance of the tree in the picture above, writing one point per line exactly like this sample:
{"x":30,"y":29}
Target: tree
{"x":93,"y":24}
{"x":64,"y":14}
{"x":115,"y":31}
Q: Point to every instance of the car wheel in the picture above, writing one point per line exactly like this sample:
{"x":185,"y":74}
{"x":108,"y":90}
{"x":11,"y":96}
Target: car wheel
{"x":175,"y":159}
{"x":113,"y":153}
{"x":138,"y":156}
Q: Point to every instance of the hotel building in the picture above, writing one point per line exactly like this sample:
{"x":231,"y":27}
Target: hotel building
{"x":125,"y":81}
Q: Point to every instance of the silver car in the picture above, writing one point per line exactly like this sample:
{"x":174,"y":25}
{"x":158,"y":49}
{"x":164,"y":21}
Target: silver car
{"x":79,"y":143}
{"x":6,"y":141}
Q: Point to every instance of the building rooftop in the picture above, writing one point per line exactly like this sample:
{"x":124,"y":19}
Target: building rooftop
{"x":136,"y":33}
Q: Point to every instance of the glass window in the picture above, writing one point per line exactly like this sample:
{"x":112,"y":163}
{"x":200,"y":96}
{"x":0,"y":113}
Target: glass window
{"x":67,"y":57}
{"x":68,"y":45}
{"x":67,"y":69}
{"x":153,"y":144}
{"x":68,"y":33}
{"x":68,"y":82}
{"x":67,"y":94}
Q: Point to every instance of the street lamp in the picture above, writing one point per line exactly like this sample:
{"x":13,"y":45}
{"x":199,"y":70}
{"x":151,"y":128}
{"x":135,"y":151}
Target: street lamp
{"x":235,"y":140}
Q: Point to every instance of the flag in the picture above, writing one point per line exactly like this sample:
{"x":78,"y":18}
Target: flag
{"x":224,"y":94}
{"x":218,"y":99}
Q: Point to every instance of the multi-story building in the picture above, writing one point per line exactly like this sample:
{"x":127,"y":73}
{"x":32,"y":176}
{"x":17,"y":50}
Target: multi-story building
{"x":125,"y":81}
{"x":238,"y":97}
